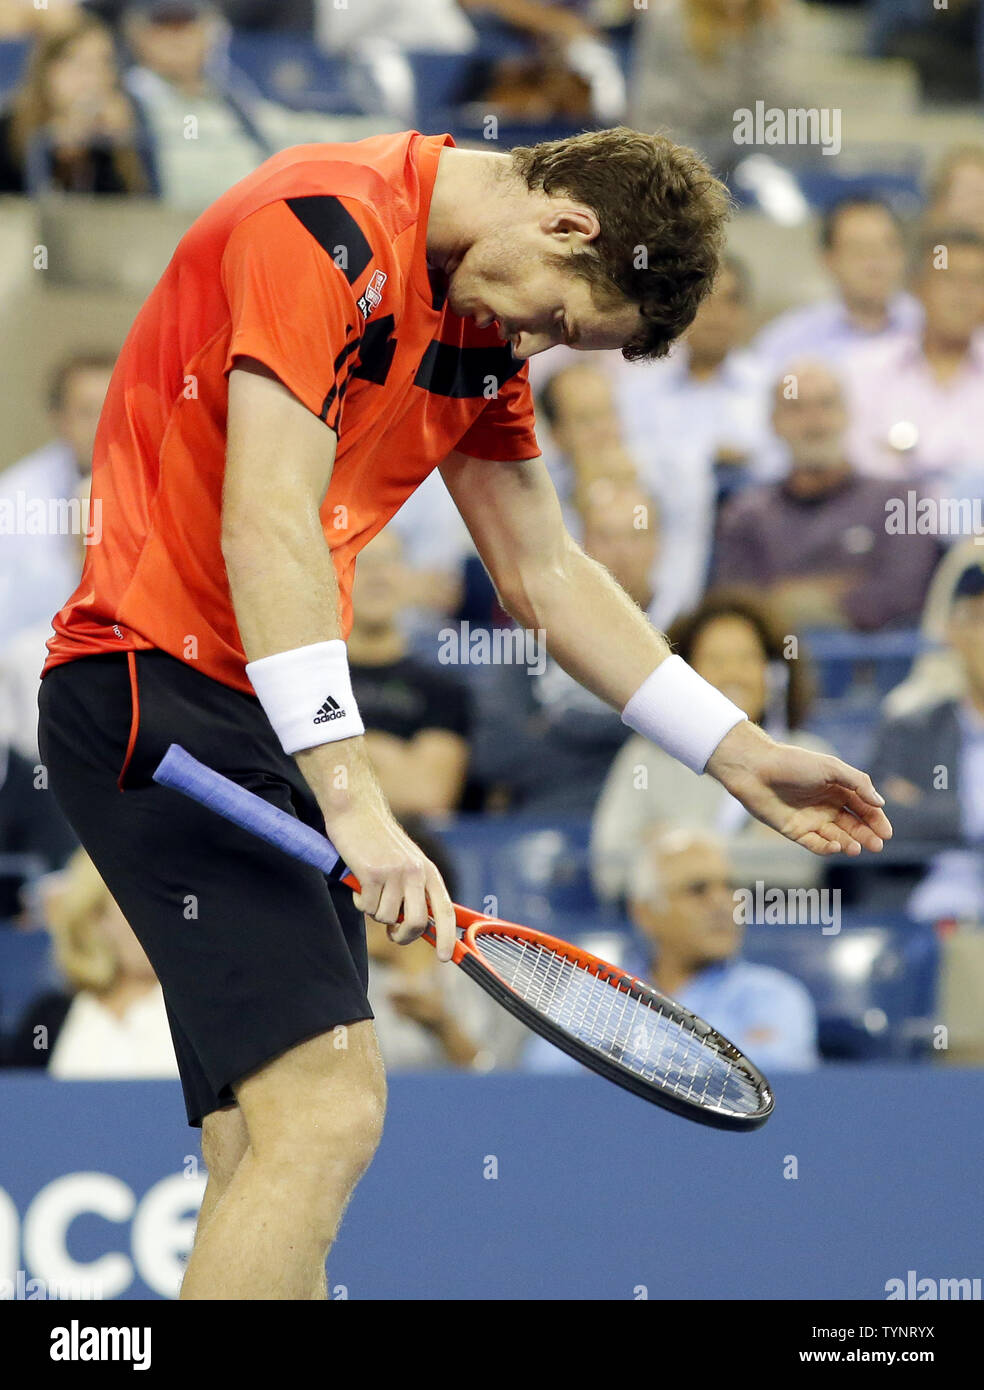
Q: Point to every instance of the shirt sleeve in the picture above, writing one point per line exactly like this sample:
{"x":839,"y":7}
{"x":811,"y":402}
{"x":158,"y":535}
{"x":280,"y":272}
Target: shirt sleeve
{"x":291,"y":303}
{"x":504,"y":432}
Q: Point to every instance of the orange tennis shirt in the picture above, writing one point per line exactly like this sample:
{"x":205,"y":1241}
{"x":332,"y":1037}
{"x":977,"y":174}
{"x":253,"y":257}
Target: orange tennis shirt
{"x":316,"y":265}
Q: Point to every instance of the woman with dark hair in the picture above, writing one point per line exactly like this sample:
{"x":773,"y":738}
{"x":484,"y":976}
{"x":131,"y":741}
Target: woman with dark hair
{"x":69,"y":125}
{"x":738,"y":644}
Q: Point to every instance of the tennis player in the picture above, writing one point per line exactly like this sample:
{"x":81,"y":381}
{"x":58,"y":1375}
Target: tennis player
{"x":337,"y":325}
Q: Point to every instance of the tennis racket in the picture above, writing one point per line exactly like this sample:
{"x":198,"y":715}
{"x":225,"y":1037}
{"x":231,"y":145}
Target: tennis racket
{"x":619,"y":1026}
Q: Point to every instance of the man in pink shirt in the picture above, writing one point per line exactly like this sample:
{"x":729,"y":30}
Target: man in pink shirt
{"x":917,"y":401}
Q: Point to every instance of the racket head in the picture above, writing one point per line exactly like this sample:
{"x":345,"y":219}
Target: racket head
{"x":552,"y":987}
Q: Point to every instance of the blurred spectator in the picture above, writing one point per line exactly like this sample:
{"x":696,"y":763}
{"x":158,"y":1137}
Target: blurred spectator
{"x":693,"y":421}
{"x":22,"y":18}
{"x":917,"y":401}
{"x":437,"y":25}
{"x":818,"y":542}
{"x":206,"y":128}
{"x":416,"y":1022}
{"x":929,"y":764}
{"x":544,"y":741}
{"x":863,"y":252}
{"x":69,"y":125}
{"x":735,"y":643}
{"x":417,"y":716}
{"x":708,"y":383}
{"x":438,"y":553}
{"x":44,"y":518}
{"x":531,"y":90}
{"x":579,"y":405}
{"x":426,"y":1014}
{"x":584,"y":441}
{"x":956,"y":197}
{"x":569,"y":73}
{"x":682,"y":906}
{"x":936,"y":673}
{"x":943,"y":41}
{"x":111,"y":1022}
{"x":34,"y":835}
{"x":696,"y":62}
{"x":557,"y":21}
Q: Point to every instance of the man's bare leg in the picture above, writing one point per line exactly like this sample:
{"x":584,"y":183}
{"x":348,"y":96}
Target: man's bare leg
{"x":224,"y":1142}
{"x":314,"y":1118}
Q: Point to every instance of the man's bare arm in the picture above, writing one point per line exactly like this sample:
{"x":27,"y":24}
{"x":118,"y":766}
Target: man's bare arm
{"x":279,"y":462}
{"x":545,"y":580}
{"x":596,"y":633}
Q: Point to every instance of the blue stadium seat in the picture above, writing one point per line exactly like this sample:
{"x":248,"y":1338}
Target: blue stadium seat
{"x":849,"y":731}
{"x":26,"y":969}
{"x":525,"y":870}
{"x":292,"y":70}
{"x":852,"y":662}
{"x":13,"y":60}
{"x":874,"y":984}
{"x":439,"y":80}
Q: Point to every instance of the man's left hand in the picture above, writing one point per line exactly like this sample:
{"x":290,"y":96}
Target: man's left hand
{"x":813,"y":799}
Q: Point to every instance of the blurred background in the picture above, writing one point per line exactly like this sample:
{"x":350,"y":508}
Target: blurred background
{"x":796,"y":494}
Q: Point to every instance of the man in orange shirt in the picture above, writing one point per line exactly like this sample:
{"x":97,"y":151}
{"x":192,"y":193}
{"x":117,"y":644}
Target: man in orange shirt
{"x":336,"y":326}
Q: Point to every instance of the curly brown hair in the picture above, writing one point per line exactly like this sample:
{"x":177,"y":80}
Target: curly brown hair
{"x":767,"y":624}
{"x":662,"y":214}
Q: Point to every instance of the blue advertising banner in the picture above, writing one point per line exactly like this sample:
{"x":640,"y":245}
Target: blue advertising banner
{"x":865,"y":1184}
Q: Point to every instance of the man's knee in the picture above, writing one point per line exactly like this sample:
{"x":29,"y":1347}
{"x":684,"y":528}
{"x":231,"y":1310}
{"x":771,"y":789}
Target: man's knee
{"x":320,"y":1104}
{"x":224,"y":1142}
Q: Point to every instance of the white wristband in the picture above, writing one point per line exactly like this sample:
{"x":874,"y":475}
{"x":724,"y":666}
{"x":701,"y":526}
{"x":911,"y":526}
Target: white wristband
{"x":307,"y":695}
{"x":682,"y":712}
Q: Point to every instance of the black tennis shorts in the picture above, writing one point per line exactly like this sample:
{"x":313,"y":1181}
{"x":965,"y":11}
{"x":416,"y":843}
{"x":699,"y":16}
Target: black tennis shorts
{"x":254,"y":951}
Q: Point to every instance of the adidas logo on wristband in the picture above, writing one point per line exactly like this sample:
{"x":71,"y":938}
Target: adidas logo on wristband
{"x":330,"y":710}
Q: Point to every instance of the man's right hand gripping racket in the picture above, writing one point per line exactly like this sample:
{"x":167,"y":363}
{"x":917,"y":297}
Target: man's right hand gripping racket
{"x":619,"y":1026}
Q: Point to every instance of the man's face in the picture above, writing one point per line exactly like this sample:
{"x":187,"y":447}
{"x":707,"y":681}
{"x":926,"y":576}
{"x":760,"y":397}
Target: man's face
{"x":720,"y":322}
{"x":867,"y":257}
{"x":379,"y":588}
{"x":812,"y":422}
{"x":586,"y":419}
{"x":83,"y":76}
{"x":954,"y":297}
{"x":176,"y":49}
{"x":962,"y":203}
{"x":507,"y":278}
{"x":620,"y":533}
{"x":78,"y":415}
{"x":693,"y":916}
{"x":728,"y":653}
{"x":966,"y":636}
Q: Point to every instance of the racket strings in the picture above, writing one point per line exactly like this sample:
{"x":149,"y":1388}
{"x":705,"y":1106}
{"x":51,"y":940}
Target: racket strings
{"x":634,"y":1032}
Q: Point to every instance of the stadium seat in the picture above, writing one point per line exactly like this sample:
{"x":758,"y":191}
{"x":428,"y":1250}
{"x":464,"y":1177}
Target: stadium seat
{"x":525,"y":870}
{"x":439,"y":80}
{"x":874,"y":984}
{"x":26,"y":969}
{"x":850,"y":731}
{"x":856,"y":662}
{"x":292,"y":70}
{"x":13,"y":60}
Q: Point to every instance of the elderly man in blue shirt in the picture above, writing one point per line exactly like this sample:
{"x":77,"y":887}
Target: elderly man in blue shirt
{"x":688,"y":941}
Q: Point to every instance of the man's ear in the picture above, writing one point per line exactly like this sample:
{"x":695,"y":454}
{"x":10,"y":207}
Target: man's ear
{"x":571,"y":221}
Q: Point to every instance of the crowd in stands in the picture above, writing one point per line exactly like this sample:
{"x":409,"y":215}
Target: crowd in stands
{"x":795,"y":497}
